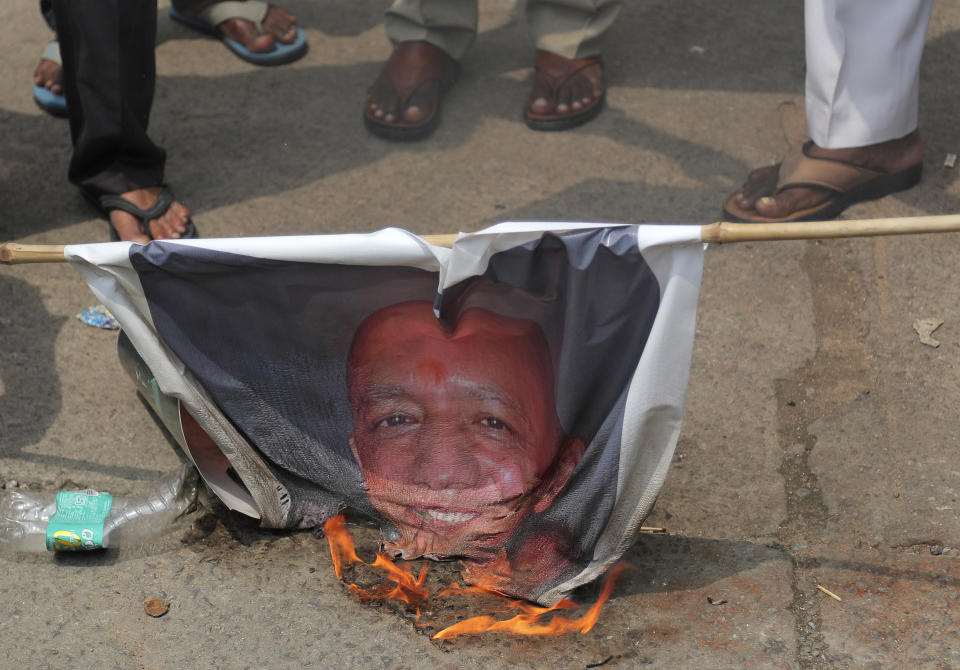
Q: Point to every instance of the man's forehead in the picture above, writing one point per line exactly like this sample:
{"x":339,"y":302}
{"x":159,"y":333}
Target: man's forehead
{"x":490,"y":348}
{"x":386,"y":389}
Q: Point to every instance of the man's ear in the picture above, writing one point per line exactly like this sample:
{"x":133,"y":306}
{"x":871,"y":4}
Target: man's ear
{"x":570,"y":453}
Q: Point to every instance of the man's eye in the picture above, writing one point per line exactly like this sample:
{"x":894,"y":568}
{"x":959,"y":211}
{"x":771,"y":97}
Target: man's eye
{"x":493,"y":422}
{"x":395,"y":420}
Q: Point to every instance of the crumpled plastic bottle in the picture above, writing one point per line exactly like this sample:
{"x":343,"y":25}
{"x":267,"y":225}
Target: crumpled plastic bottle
{"x":136,"y":520}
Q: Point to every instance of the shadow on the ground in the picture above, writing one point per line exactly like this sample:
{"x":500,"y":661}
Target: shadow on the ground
{"x":28,"y":333}
{"x":663,"y":563}
{"x":234,"y":138}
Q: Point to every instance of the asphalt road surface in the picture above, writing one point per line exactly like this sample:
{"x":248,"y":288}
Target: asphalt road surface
{"x":820,"y":443}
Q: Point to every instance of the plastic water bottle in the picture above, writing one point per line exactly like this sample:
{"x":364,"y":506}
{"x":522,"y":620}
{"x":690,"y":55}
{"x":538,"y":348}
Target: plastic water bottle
{"x":88,"y":519}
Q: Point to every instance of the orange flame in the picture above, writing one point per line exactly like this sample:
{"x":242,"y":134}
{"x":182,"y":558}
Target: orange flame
{"x":411,"y":591}
{"x":529,"y":623}
{"x":408,"y":589}
{"x":341,"y":544}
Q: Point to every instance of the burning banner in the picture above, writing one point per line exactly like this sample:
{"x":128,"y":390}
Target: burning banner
{"x":512,"y":402}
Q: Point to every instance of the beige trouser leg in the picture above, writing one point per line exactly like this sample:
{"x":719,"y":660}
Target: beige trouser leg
{"x":448,"y":24}
{"x":571,"y":28}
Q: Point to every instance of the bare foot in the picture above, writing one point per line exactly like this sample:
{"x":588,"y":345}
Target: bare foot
{"x":49,"y":74}
{"x":758,"y":193}
{"x":279,"y":25}
{"x":169,"y":225}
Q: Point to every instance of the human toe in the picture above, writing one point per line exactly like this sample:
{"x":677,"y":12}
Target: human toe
{"x":420,"y":104}
{"x":791,"y":201}
{"x":541,"y":98}
{"x":54,"y":86}
{"x":414,"y":114}
{"x":773,"y":206}
{"x":568,"y":98}
{"x":383,"y":103}
{"x":579,"y":94}
{"x":541,"y":105}
{"x":127,"y":227}
{"x":49,"y":75}
{"x":172,"y":224}
{"x":162,"y":229}
{"x":761,"y":182}
{"x":281,"y":24}
{"x":595,"y":76}
{"x":388,"y":111}
{"x":245,"y":32}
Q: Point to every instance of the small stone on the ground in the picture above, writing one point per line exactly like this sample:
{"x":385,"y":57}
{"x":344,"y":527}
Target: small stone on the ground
{"x":156,"y":607}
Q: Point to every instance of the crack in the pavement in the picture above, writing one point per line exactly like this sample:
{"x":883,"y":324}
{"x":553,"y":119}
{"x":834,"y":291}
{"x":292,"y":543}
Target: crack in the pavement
{"x":833,"y":377}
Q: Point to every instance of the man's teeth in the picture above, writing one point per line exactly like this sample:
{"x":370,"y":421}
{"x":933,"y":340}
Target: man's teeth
{"x":448,"y":517}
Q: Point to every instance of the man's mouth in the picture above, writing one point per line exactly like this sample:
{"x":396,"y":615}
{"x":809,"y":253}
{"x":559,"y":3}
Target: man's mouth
{"x":433,"y":515}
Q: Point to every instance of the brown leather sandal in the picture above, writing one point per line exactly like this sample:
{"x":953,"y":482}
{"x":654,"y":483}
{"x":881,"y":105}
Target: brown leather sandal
{"x":847,"y":183}
{"x":416,"y":72}
{"x":552,"y":74}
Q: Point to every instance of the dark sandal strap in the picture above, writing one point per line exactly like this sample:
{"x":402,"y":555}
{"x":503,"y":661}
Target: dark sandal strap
{"x":155,"y":211}
{"x":431,"y":63}
{"x":558,"y":70}
{"x":801,"y":170}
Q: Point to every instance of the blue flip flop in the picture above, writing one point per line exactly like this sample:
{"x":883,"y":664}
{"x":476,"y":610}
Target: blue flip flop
{"x":208,"y":20}
{"x":52,"y":103}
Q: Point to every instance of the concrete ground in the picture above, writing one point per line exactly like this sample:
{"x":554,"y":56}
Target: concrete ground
{"x":820,"y":443}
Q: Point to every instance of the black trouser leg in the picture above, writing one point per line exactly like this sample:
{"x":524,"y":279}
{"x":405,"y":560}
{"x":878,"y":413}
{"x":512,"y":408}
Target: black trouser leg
{"x":46,"y":8}
{"x":109,"y":72}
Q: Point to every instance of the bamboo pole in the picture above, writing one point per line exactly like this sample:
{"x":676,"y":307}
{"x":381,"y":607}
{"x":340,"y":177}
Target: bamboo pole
{"x":12,"y":253}
{"x":441,"y":240}
{"x":724,"y":232}
{"x":721,"y":232}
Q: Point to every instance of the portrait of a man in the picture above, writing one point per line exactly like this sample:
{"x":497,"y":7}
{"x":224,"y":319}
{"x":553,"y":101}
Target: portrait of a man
{"x":456,"y":431}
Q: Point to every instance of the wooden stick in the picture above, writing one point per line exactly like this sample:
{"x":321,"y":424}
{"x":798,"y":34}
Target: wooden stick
{"x":721,"y":232}
{"x":12,"y":253}
{"x":441,"y":240}
{"x":829,"y":593}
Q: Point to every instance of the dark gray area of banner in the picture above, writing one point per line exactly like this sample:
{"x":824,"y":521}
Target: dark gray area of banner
{"x":268,"y":340}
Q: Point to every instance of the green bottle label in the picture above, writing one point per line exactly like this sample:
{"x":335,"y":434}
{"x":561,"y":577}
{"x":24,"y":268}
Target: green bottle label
{"x":77,"y":525}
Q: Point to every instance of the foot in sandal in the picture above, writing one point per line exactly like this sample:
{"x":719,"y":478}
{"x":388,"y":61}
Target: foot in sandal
{"x":813,"y":183}
{"x":404,"y":102}
{"x":254,"y":30}
{"x":146,"y":214}
{"x":566,"y":92}
{"x":48,"y":82}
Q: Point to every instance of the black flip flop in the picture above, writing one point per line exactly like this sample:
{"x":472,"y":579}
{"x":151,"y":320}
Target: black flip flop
{"x":107,"y":202}
{"x":433,"y":66}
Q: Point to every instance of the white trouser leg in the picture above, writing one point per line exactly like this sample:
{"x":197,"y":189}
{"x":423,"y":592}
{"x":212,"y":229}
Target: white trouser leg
{"x":863,"y":65}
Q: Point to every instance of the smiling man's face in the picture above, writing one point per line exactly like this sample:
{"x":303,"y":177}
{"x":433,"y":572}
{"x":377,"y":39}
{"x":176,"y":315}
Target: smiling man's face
{"x":456,"y":433}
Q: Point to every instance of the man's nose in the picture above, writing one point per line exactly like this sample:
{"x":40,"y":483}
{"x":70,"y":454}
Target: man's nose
{"x":447,"y":458}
